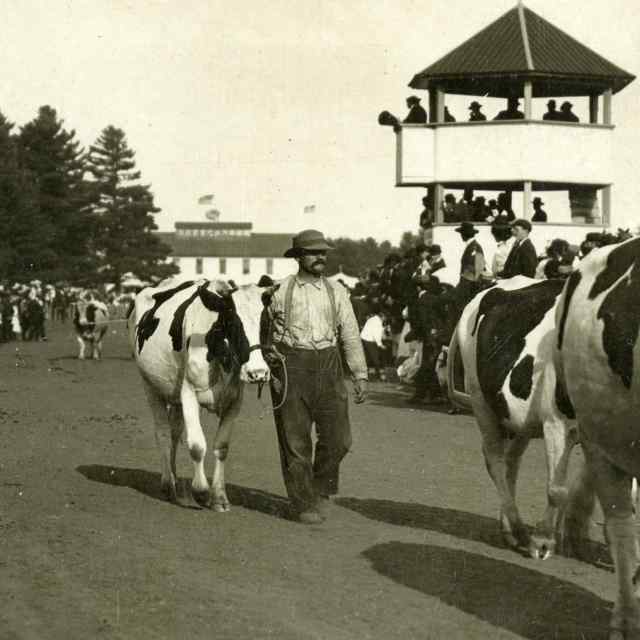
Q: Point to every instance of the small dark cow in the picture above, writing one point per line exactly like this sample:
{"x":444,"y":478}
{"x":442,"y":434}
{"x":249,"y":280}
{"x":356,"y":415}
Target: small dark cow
{"x":598,"y":361}
{"x":505,"y":338}
{"x":90,"y":321}
{"x":195,"y":344}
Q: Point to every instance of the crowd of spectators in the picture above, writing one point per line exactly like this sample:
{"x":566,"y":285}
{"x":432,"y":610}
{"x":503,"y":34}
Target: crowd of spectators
{"x":27,"y":308}
{"x":407,"y":315}
{"x":418,"y":114}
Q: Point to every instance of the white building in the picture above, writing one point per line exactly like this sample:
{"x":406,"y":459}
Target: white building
{"x":228,"y":250}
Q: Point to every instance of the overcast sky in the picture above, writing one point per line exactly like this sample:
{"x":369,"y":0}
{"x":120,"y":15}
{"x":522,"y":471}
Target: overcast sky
{"x":272,"y":105}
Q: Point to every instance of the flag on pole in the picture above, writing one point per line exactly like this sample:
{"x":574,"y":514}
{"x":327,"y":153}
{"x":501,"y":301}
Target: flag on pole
{"x":310,"y":208}
{"x":208,"y":199}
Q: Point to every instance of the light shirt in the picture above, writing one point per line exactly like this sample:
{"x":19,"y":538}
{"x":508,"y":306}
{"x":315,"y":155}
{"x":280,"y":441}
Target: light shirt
{"x":373,"y":330}
{"x":311,"y":319}
{"x":503,"y":248}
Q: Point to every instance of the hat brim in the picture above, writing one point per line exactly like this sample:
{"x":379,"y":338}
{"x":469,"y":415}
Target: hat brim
{"x":461,"y":229}
{"x":293,"y":252}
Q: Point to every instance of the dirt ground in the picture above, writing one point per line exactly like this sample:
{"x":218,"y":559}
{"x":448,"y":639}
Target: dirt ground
{"x":88,"y":548}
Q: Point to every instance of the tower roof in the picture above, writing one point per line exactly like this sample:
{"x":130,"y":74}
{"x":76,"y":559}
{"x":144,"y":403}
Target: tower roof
{"x":519,"y":46}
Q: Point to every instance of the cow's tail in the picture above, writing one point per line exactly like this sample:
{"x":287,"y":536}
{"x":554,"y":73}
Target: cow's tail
{"x":455,"y":375}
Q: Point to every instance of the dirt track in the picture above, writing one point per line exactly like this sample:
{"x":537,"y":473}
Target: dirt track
{"x":88,"y":549}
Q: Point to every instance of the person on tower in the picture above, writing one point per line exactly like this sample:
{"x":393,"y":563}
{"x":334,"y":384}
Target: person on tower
{"x":476,"y":115}
{"x":511,"y":112}
{"x":417,"y":114}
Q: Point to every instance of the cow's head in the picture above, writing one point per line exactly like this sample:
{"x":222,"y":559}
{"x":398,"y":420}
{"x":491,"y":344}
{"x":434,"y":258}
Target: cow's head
{"x":234,"y":339}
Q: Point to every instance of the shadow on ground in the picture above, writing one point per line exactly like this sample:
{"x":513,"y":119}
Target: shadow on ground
{"x":460,"y":524}
{"x":148,"y":483}
{"x":388,"y":397}
{"x":505,"y":595}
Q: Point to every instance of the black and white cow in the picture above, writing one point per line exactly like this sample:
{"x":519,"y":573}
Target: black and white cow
{"x":195,"y":344}
{"x":598,"y":361}
{"x":90,"y":321}
{"x":505,"y":338}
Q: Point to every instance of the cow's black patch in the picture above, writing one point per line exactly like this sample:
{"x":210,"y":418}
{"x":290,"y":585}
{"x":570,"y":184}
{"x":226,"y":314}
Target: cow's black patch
{"x":618,"y":262}
{"x":620,"y":313}
{"x":176,"y":328}
{"x":149,"y":323}
{"x":572,"y":283}
{"x":521,"y":379}
{"x":504,"y":320}
{"x":564,"y":402}
{"x":226,"y":340}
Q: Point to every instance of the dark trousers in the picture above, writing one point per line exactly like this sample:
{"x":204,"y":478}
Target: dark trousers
{"x":372,"y":354}
{"x":426,"y":380}
{"x":317,"y":394}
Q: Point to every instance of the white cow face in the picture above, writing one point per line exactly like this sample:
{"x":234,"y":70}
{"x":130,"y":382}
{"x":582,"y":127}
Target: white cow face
{"x":248,"y":303}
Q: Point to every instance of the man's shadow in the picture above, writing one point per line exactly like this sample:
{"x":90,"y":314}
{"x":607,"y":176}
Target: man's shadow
{"x":523,"y":601}
{"x":148,"y":483}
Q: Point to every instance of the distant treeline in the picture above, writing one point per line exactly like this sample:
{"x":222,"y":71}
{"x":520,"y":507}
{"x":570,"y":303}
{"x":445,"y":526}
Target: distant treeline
{"x":73,"y":215}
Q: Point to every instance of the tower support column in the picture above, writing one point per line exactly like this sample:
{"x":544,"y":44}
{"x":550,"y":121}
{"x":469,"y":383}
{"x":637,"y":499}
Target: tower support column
{"x":526,"y":200}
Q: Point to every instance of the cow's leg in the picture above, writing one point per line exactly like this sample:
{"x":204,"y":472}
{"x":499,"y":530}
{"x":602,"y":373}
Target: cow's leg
{"x":220,"y":450}
{"x":494,"y":445}
{"x":574,"y":531}
{"x":613,"y":488}
{"x":176,"y":422}
{"x":97,"y":345}
{"x":163,"y":440}
{"x":81,"y":343}
{"x":559,"y":440}
{"x":196,"y":443}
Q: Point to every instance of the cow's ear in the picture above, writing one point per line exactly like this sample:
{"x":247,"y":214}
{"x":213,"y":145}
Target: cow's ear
{"x":212,"y":301}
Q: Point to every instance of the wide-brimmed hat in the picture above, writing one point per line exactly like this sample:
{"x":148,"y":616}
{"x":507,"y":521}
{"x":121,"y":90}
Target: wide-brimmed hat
{"x":475,"y":105}
{"x":537,"y":200}
{"x":413,"y":100}
{"x":308,"y":239}
{"x":466,"y":228}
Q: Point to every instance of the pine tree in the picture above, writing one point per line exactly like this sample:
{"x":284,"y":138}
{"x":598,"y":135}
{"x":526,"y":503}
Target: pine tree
{"x":124,"y":211}
{"x":57,"y":163}
{"x":25,"y":251}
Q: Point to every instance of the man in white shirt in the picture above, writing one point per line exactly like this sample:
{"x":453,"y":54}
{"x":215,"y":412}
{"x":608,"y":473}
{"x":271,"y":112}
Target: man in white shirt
{"x":372,"y":335}
{"x":312,"y":324}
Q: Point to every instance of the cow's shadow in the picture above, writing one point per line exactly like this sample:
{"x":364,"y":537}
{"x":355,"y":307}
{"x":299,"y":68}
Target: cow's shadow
{"x":459,"y":524}
{"x":148,"y":483}
{"x":508,"y":596}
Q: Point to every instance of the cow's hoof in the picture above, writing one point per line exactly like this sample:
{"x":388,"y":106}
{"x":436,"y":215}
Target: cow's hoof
{"x":203,"y":497}
{"x":221,"y":505}
{"x":169,"y":492}
{"x":541,"y":549}
{"x":509,"y":540}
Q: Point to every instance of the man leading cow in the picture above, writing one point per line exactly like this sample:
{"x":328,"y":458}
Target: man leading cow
{"x":312,"y":326}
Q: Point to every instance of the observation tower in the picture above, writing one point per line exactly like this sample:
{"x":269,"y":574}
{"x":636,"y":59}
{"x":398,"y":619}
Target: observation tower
{"x":520,"y":55}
